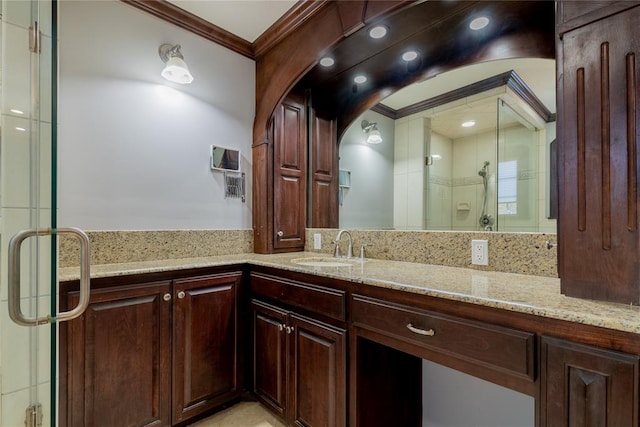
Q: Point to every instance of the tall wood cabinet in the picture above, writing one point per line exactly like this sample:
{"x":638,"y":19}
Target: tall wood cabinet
{"x":153,"y":353}
{"x":598,"y":131}
{"x":290,"y":174}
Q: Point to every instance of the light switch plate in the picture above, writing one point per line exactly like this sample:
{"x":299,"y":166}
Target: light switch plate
{"x":317,"y":241}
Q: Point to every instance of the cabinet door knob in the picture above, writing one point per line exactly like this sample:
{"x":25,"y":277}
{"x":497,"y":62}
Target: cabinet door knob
{"x":280,"y":233}
{"x":280,"y":327}
{"x":167,"y":297}
{"x":289,"y":329}
{"x":181,"y":294}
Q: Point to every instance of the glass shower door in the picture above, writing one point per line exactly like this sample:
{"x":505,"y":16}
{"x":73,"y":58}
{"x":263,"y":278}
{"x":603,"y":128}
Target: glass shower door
{"x":517,"y":171}
{"x":26,"y":199}
{"x":28,"y":285}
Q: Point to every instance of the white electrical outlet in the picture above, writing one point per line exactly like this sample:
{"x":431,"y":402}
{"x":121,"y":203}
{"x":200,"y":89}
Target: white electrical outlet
{"x":480,"y":252}
{"x":317,"y":241}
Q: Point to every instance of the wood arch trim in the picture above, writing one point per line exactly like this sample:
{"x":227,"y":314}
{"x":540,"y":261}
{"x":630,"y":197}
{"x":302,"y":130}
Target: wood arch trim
{"x":284,"y":64}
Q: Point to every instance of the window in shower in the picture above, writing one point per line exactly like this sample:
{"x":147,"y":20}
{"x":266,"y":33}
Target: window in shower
{"x":508,"y":187}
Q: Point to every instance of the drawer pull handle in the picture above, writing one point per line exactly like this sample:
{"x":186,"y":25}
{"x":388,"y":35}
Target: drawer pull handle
{"x":419,"y":331}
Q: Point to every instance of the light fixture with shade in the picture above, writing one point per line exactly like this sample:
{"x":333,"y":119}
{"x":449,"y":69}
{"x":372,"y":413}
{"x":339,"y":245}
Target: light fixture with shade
{"x":373,"y":134}
{"x":176,"y":69}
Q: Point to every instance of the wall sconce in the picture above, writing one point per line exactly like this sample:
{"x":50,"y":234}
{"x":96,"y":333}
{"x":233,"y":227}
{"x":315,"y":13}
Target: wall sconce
{"x":176,"y":69}
{"x":373,"y":134}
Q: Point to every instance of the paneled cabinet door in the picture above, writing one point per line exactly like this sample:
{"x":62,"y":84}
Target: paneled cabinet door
{"x":269,"y":356}
{"x":587,"y":386}
{"x":118,"y":358}
{"x":205,"y":343}
{"x":299,"y":367}
{"x":317,"y":378}
{"x":290,"y":174}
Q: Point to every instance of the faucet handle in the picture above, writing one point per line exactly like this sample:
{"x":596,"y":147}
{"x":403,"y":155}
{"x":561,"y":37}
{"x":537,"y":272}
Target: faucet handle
{"x":336,"y":252}
{"x":362,"y":251}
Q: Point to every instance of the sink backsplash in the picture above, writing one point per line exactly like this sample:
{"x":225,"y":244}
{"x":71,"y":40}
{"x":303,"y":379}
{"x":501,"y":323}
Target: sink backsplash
{"x":111,"y":247}
{"x":524,"y":253}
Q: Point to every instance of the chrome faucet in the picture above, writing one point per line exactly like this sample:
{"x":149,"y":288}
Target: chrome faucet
{"x":349,"y":248}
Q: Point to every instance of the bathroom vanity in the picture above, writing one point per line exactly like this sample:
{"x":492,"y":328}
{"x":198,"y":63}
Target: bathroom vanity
{"x":337,"y":345}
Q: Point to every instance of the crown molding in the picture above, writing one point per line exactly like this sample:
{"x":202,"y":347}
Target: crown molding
{"x":190,"y":22}
{"x":509,"y":78}
{"x":300,"y":13}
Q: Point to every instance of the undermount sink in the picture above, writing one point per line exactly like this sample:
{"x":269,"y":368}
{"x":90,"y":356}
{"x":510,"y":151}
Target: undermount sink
{"x":324,"y":262}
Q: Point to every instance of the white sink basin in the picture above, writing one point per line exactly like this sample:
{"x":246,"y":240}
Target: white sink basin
{"x":323,"y":262}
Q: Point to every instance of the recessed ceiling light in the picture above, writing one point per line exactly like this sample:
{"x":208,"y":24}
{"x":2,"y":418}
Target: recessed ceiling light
{"x":327,"y":61}
{"x":378,"y":32}
{"x":479,"y":23}
{"x":468,"y":124}
{"x":14,"y":111}
{"x":21,"y":129}
{"x":360,"y":79}
{"x":410,"y":55}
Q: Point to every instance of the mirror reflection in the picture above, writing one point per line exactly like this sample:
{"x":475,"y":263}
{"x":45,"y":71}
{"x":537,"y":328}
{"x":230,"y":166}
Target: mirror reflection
{"x":468,"y":150}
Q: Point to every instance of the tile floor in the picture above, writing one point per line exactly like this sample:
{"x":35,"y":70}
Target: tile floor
{"x":243,"y":414}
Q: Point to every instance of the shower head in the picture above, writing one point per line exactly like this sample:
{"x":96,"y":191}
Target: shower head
{"x":483,"y":172}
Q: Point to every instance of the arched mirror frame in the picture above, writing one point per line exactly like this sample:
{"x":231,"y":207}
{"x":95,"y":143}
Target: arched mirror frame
{"x":341,"y":28}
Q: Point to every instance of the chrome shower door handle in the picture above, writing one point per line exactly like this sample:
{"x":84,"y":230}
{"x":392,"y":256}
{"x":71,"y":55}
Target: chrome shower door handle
{"x":13,"y":270}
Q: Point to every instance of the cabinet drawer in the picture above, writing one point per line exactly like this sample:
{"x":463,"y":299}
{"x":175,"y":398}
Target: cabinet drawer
{"x":316,"y":299}
{"x":497,"y":347}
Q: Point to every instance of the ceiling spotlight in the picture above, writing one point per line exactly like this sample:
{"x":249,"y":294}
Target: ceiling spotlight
{"x":479,"y":23}
{"x":373,"y":134}
{"x":468,"y":124}
{"x":360,"y":79}
{"x":378,"y":32}
{"x":327,"y":61}
{"x":176,"y":69}
{"x":410,"y":55}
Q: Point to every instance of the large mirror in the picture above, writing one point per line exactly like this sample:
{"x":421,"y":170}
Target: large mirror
{"x":467,"y":150}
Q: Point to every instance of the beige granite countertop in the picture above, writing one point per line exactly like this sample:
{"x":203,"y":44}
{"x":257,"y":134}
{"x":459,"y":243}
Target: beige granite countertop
{"x":535,"y":295}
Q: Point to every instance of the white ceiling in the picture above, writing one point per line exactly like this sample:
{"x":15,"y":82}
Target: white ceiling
{"x":247,"y":19}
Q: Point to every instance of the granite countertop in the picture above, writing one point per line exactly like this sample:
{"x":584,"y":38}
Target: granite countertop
{"x":535,"y":295}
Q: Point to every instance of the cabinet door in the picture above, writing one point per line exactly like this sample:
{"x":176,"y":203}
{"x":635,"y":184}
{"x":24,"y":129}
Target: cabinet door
{"x":269,"y":356}
{"x":317,"y":378}
{"x":290,"y":174}
{"x":205,"y":343}
{"x":598,"y":119}
{"x":585,"y":386}
{"x":119,"y":358}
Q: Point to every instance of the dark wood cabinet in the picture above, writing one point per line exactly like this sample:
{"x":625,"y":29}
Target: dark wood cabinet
{"x":118,"y":360}
{"x":290,"y":174}
{"x":270,"y":356}
{"x":153,"y":353}
{"x":299,"y":367}
{"x":598,"y":135}
{"x":205,"y":344}
{"x":587,"y":386}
